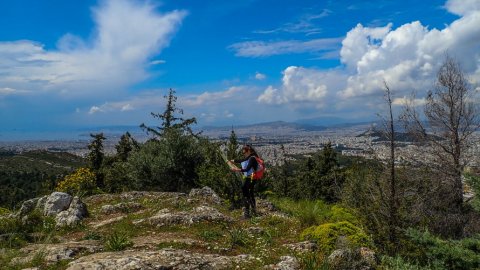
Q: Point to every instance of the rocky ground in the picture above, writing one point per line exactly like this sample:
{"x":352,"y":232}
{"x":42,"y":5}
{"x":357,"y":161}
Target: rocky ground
{"x":158,"y":230}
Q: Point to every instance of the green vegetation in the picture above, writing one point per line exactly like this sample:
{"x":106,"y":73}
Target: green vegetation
{"x":338,"y":202}
{"x":117,"y":241}
{"x":31,"y":174}
{"x":328,"y":235}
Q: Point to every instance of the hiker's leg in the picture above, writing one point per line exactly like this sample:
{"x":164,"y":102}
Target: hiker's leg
{"x":252,"y":197}
{"x":246,"y":199}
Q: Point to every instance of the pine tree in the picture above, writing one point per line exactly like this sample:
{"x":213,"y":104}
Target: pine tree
{"x":168,"y":119}
{"x":232,"y":146}
{"x":96,"y":156}
{"x":125,"y":146}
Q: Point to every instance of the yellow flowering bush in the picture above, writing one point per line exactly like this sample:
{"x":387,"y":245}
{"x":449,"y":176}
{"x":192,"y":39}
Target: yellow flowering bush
{"x":80,"y":181}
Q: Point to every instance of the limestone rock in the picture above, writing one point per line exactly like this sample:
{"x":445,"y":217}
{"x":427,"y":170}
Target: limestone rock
{"x":75,"y":213}
{"x":56,"y":252}
{"x":108,"y":222}
{"x":127,"y":207}
{"x":202,"y":213}
{"x":56,"y":203}
{"x":306,"y":246}
{"x":41,"y":202}
{"x":204,"y":194}
{"x":27,"y":207}
{"x":362,"y":258}
{"x":150,"y":260}
{"x":286,"y":263}
{"x":265,"y":206}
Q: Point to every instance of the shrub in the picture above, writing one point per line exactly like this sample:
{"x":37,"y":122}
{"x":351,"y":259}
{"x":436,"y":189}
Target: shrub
{"x":311,"y":213}
{"x":338,"y":213}
{"x":307,"y":212}
{"x":82,"y":181}
{"x":399,"y":263}
{"x":118,"y":177}
{"x":327,"y":235}
{"x":445,"y":254}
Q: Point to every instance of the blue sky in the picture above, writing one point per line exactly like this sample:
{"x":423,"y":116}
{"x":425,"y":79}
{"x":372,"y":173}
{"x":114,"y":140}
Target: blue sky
{"x":74,"y":64}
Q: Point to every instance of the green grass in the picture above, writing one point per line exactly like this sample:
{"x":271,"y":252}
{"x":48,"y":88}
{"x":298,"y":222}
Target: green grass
{"x":117,"y":241}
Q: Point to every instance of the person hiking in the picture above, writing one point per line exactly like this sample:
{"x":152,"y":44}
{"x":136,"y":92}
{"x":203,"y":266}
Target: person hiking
{"x":249,"y":165}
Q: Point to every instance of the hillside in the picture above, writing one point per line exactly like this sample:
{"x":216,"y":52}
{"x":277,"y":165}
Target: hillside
{"x":160,"y":230}
{"x":29,"y":174}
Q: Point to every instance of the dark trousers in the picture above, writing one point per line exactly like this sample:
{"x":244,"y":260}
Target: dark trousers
{"x":248,"y":190}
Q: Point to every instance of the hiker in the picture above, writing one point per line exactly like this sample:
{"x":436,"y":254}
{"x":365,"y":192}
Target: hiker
{"x":249,"y":166}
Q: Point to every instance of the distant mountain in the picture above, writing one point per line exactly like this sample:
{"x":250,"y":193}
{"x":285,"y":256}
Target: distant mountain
{"x":331,"y":121}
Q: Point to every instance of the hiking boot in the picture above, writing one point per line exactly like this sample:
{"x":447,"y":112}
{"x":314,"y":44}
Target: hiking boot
{"x":246,"y":214}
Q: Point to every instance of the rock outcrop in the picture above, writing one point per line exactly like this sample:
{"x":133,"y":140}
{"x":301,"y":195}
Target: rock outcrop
{"x":199,"y":214}
{"x":75,"y":213}
{"x":150,"y":260}
{"x":56,"y":203}
{"x":205,"y":195}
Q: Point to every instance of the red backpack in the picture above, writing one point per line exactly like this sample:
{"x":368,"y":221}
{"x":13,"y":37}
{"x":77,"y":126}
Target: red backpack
{"x":258,"y":174}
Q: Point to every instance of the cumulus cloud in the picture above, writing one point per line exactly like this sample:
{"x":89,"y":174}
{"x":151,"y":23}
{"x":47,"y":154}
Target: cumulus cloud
{"x":271,"y":96}
{"x":304,"y":87}
{"x":406,"y":57}
{"x":263,"y":48}
{"x":462,"y":7}
{"x":127,"y":34}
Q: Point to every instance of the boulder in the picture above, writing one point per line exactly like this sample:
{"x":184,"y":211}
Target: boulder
{"x":75,"y":213}
{"x":204,"y":194}
{"x":362,"y":258}
{"x":56,"y":203}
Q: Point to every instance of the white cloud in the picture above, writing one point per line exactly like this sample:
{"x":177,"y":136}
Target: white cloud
{"x":263,"y":49}
{"x":408,"y":101}
{"x":406,"y":57}
{"x":271,"y":96}
{"x":126,"y":107}
{"x":128,"y":33}
{"x":304,"y":87}
{"x":462,"y":7}
{"x":209,"y":98}
{"x":157,"y":62}
{"x":95,"y":109}
{"x":260,"y":76}
{"x":304,"y":24}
